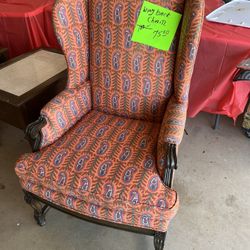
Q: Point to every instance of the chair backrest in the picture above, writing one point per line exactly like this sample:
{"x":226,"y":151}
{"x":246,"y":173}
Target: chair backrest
{"x":127,"y":78}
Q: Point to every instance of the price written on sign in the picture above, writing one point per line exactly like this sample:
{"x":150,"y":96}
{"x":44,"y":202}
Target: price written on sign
{"x":156,"y":26}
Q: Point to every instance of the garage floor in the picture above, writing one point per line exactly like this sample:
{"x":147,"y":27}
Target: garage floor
{"x":213,"y":182}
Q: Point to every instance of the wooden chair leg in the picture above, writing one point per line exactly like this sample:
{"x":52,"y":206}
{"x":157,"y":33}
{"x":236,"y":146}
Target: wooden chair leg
{"x":159,"y":240}
{"x":40,"y":210}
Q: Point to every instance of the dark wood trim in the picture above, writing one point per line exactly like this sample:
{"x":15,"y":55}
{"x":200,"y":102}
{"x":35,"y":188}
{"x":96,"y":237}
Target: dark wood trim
{"x":42,"y":206}
{"x":170,"y":168}
{"x":90,"y":219}
{"x":171,"y":164}
{"x":159,"y":240}
{"x":33,"y":133}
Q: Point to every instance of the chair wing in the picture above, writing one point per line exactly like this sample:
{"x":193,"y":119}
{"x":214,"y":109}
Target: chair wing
{"x":174,"y":120}
{"x":70,"y":18}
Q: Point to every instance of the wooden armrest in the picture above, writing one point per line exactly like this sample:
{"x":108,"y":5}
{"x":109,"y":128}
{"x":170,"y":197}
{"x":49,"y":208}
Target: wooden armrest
{"x":33,"y":133}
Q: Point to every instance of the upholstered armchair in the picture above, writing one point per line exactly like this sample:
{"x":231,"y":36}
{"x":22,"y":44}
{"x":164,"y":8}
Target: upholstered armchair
{"x":105,"y":149}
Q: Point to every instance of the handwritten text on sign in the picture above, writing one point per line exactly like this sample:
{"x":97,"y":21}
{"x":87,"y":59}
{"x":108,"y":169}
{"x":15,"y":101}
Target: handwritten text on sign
{"x":156,"y":26}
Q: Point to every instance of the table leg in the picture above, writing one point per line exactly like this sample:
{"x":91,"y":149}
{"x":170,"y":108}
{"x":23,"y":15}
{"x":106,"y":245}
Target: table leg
{"x":217,"y":122}
{"x":3,"y":55}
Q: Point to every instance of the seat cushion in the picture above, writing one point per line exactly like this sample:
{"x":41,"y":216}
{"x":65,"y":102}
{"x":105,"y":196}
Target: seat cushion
{"x":104,"y":167}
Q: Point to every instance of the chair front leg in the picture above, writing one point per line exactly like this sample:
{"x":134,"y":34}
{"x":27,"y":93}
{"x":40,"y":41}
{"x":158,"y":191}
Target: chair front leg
{"x":159,"y":240}
{"x":40,"y":210}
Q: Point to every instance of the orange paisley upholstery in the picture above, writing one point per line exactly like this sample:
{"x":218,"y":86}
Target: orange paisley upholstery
{"x":173,"y":124}
{"x":128,"y":79}
{"x":70,"y":19}
{"x":63,"y":111}
{"x":104,"y":167}
{"x":103,"y":150}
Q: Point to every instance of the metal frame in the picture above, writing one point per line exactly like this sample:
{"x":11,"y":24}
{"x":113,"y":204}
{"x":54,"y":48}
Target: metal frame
{"x":41,"y":206}
{"x":216,"y":122}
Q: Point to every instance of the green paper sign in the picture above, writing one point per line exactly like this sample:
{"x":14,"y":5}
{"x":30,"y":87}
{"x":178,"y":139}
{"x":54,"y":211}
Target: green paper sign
{"x":156,"y":26}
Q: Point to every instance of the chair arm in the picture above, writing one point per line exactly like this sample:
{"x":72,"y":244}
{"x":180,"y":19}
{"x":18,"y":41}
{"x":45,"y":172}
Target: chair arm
{"x":175,"y":116}
{"x":171,"y":133}
{"x":59,"y":115}
{"x":33,"y":133}
{"x":174,"y":121}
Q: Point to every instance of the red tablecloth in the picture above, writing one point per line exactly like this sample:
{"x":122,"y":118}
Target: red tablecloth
{"x":221,"y":49}
{"x":26,"y":25}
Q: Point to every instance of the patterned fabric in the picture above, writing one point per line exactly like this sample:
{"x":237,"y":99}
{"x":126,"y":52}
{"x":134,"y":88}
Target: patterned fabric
{"x":107,"y":164}
{"x":173,"y":124}
{"x":128,"y":79}
{"x":104,"y":167}
{"x":64,"y":111}
{"x":70,"y":18}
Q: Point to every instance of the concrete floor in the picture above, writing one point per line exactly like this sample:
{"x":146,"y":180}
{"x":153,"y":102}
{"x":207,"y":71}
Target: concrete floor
{"x":213,"y":182}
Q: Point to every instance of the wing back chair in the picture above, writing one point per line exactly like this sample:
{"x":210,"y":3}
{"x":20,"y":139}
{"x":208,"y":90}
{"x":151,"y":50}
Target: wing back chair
{"x":105,"y":147}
